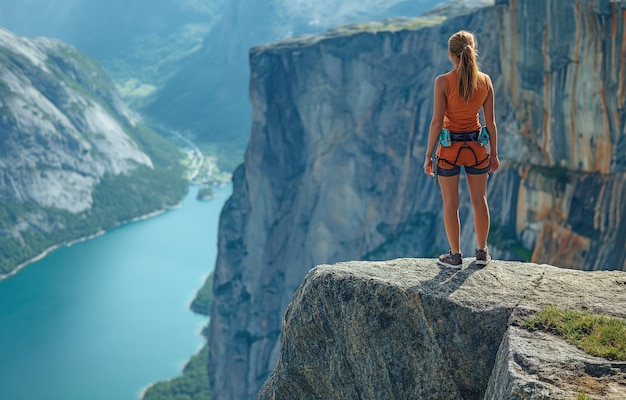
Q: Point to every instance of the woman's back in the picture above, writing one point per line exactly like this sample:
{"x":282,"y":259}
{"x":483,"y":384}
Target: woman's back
{"x":462,"y":116}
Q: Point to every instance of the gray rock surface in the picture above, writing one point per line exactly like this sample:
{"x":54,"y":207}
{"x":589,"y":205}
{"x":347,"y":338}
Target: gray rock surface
{"x":333,"y":170}
{"x":406,"y":329}
{"x":63,"y":125}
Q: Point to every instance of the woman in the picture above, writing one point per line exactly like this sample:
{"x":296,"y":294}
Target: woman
{"x":459,"y":95}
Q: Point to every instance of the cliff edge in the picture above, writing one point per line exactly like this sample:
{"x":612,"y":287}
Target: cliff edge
{"x":406,"y":329}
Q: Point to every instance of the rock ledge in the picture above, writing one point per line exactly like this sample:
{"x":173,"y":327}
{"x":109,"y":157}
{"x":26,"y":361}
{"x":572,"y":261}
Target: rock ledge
{"x":406,"y":329}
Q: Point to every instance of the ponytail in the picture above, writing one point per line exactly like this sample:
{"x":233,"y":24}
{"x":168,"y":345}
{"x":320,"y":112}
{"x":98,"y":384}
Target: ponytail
{"x":463,"y":45}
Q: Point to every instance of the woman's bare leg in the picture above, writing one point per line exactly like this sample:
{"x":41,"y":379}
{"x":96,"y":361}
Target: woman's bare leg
{"x":477,"y":185}
{"x":450,"y":196}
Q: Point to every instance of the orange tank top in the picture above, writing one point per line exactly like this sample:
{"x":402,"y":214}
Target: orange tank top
{"x":459,"y":115}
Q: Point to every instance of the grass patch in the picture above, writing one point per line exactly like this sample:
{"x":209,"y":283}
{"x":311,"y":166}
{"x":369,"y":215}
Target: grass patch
{"x":390,"y":24}
{"x":595,"y":334}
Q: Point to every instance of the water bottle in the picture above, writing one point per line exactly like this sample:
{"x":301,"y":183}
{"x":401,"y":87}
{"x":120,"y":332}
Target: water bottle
{"x":444,"y":137}
{"x":483,"y":138}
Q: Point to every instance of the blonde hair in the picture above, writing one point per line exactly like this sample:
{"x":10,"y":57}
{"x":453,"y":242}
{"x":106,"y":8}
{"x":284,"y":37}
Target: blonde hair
{"x":463,"y":44}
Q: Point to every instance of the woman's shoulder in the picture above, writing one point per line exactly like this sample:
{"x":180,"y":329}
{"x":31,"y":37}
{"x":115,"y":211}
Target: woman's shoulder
{"x":450,"y":74}
{"x":484,"y":77}
{"x":441,"y":81}
{"x":444,"y":78}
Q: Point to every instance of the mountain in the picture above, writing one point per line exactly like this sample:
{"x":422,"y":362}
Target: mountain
{"x":184,"y":64}
{"x":73,"y":159}
{"x":103,"y":30}
{"x":208,"y":99}
{"x":141,"y":43}
{"x":333,"y":168}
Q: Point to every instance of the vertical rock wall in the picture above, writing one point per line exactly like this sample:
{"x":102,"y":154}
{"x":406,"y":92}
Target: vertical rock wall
{"x":333,"y":168}
{"x":564,"y":77}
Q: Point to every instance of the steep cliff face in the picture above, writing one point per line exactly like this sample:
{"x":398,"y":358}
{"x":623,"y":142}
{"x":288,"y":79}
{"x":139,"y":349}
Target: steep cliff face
{"x":406,"y":329}
{"x":564,"y":78}
{"x":63,"y":131}
{"x":333,"y":167}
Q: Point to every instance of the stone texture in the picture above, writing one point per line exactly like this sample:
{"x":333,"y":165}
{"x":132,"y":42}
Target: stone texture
{"x":406,"y":329}
{"x":538,"y":365}
{"x":563,"y":81}
{"x":333,"y":167}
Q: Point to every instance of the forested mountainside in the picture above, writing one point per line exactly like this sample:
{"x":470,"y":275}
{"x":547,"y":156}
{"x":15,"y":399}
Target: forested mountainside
{"x":333,"y":169}
{"x":73,"y":159}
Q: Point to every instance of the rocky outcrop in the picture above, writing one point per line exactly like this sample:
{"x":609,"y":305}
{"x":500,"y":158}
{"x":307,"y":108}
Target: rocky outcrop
{"x":406,"y":329}
{"x":333,"y":167}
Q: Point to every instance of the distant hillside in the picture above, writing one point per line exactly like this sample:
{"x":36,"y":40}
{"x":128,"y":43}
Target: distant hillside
{"x":141,"y":43}
{"x":73,"y":158}
{"x":185,"y":63}
{"x":208,"y":100}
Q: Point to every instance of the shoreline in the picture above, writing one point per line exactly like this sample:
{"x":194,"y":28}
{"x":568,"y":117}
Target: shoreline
{"x":101,"y":232}
{"x":143,"y":391}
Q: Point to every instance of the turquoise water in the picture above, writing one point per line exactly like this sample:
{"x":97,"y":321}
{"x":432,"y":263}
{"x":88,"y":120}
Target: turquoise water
{"x":104,"y":318}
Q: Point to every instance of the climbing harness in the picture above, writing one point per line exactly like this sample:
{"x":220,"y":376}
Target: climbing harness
{"x":446,"y":139}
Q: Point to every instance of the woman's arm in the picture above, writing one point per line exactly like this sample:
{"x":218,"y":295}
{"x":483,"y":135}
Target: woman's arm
{"x":436,"y":123}
{"x":490,"y":123}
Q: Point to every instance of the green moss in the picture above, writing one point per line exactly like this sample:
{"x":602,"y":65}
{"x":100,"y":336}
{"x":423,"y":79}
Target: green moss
{"x":595,"y":334}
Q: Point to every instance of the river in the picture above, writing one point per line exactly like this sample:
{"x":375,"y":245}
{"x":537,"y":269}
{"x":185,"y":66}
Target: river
{"x":104,"y":318}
